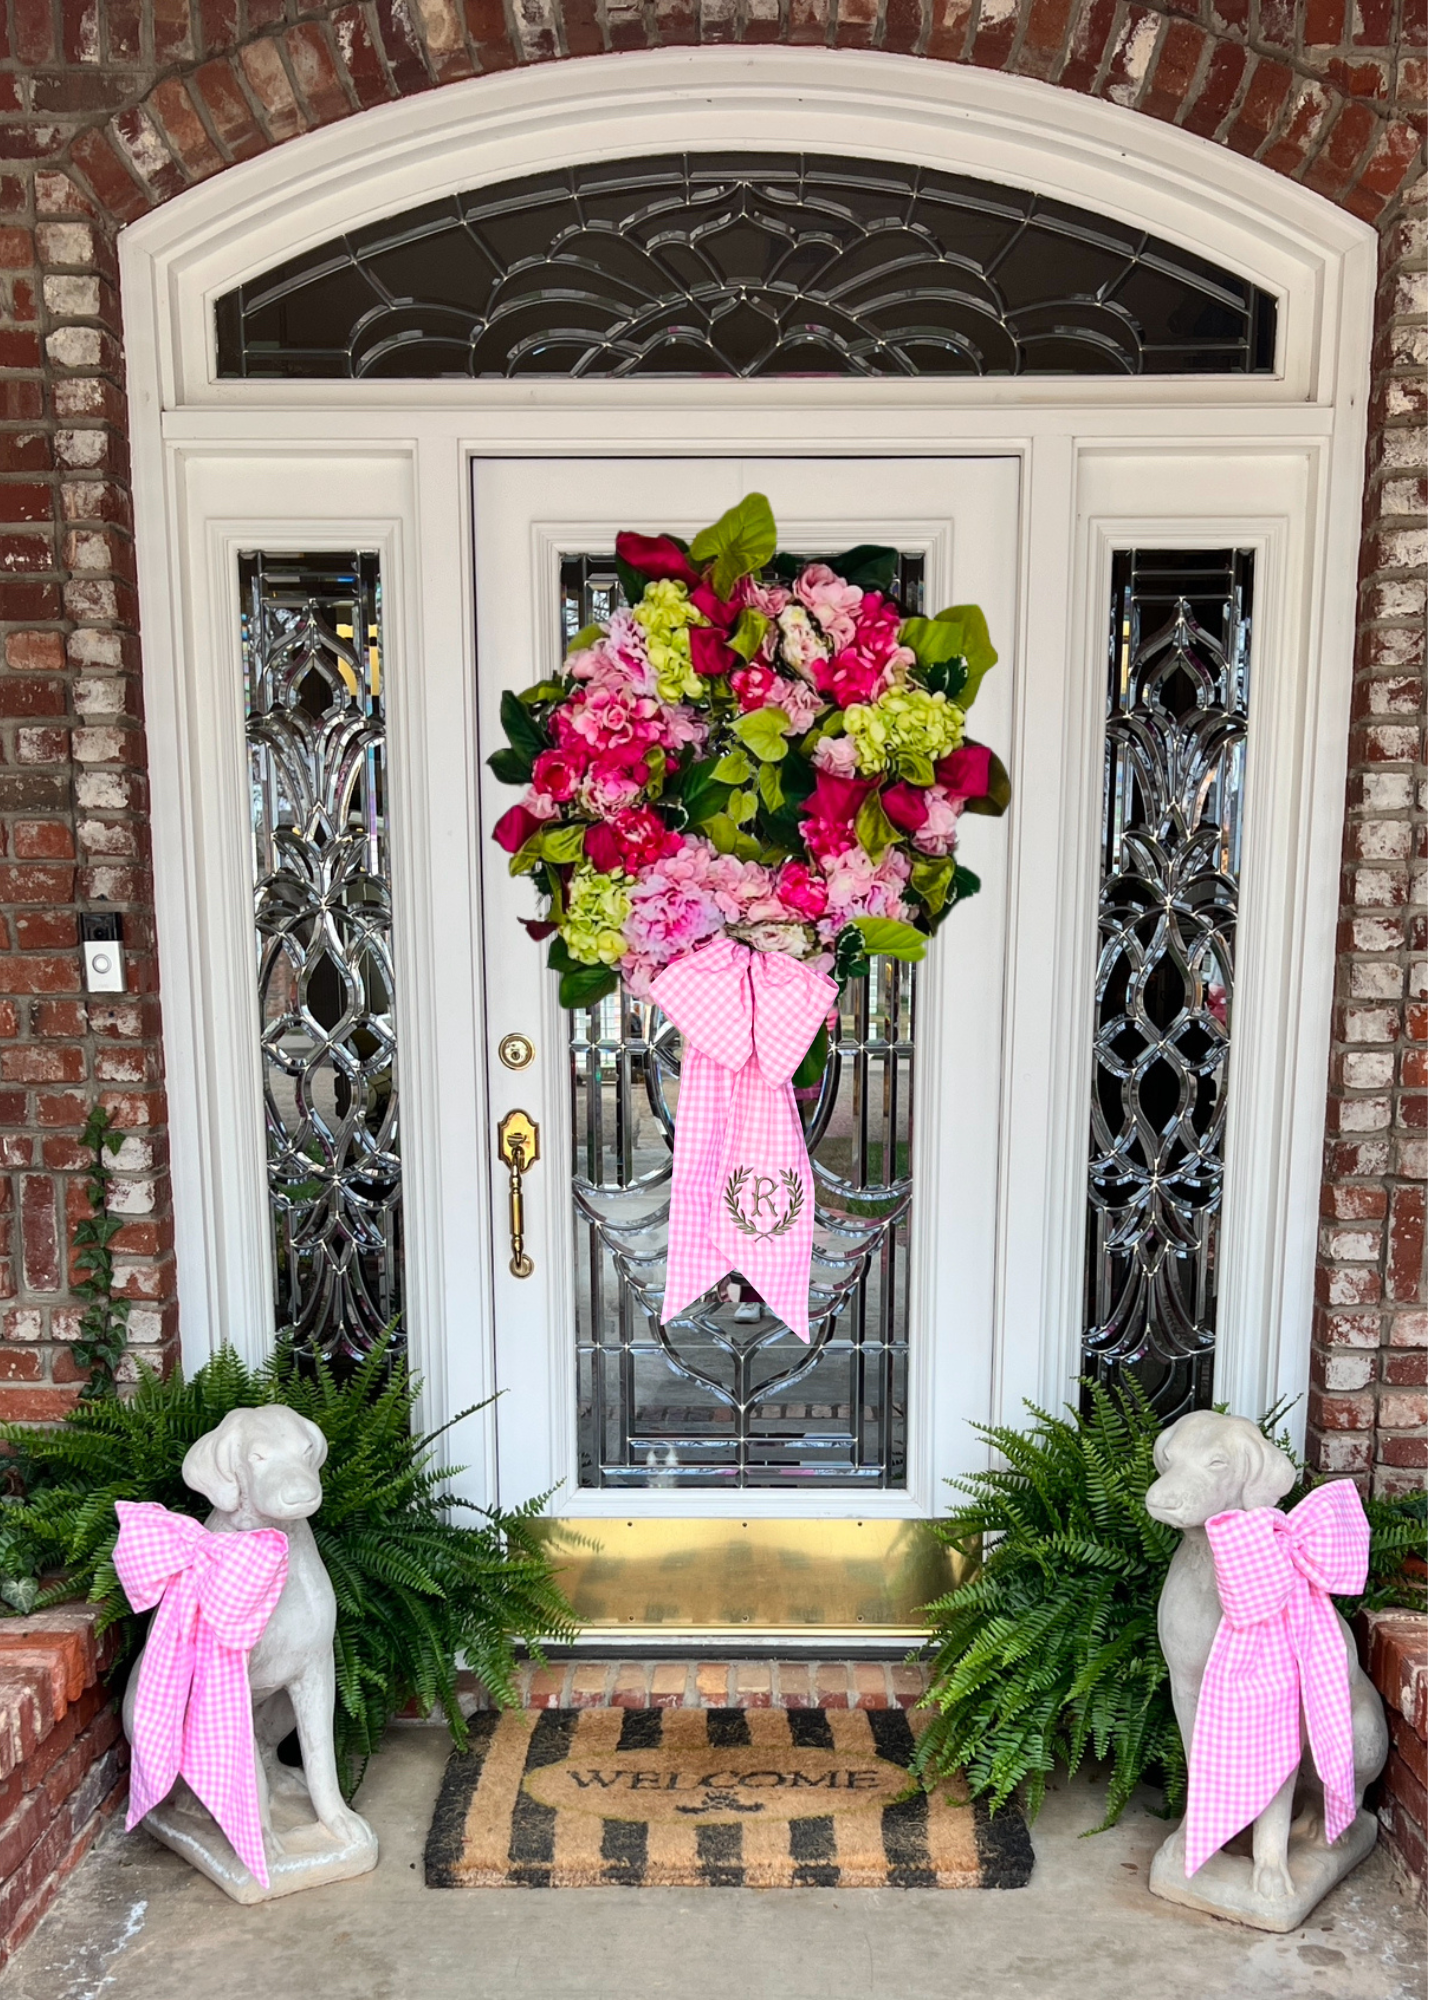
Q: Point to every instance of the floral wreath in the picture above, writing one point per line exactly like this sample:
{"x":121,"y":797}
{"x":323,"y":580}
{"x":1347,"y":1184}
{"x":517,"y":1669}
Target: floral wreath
{"x":761,"y":746}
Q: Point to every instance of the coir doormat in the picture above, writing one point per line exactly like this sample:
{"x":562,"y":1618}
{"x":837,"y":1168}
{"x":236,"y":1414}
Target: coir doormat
{"x":720,"y":1798}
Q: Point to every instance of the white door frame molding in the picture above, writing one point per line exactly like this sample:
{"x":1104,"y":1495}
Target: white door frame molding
{"x":1270,"y":462}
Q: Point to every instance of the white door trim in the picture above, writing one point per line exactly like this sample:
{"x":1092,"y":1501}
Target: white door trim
{"x":386,"y":465}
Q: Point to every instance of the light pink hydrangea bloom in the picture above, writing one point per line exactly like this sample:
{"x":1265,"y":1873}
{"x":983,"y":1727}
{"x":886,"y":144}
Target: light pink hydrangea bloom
{"x":939,"y":831}
{"x":837,"y":755}
{"x":861,"y":887}
{"x":832,"y":602}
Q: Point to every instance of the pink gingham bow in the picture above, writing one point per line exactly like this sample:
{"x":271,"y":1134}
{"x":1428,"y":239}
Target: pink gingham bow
{"x":193,"y":1714}
{"x":741,"y":1193}
{"x":1279,"y":1647}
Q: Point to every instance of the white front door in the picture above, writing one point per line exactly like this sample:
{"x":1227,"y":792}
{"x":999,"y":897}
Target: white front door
{"x":725,"y":1413}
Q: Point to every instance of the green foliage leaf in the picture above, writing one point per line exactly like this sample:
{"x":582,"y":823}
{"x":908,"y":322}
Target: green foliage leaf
{"x":762,"y":731}
{"x":850,"y":955}
{"x":548,"y":690}
{"x":420,"y":1589}
{"x":875,"y":830}
{"x":632,"y":583}
{"x":917,"y":769}
{"x":973,"y":645}
{"x":585,"y":984}
{"x":523,"y":732}
{"x":735,"y":769}
{"x":742,"y":807}
{"x":931,"y":881}
{"x":740,"y":541}
{"x":585,"y":638}
{"x":748,"y":634}
{"x":890,"y":939}
{"x":702,"y":792}
{"x":813,"y":1063}
{"x":511,"y":767}
{"x":933,"y":640}
{"x":562,"y":844}
{"x":770,"y":789}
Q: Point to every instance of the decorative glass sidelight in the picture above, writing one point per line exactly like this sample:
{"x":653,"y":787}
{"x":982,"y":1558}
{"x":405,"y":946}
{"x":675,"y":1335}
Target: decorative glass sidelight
{"x":725,"y":1396}
{"x":744,"y":264}
{"x":312,"y":659}
{"x":1177,"y":705}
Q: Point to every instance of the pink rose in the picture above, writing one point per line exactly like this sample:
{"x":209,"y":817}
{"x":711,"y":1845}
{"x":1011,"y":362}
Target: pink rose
{"x":906,"y":805}
{"x":558,"y":772}
{"x":966,"y":773}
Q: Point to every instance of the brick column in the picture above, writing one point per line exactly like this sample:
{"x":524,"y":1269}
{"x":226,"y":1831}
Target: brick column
{"x":1367,"y":1405}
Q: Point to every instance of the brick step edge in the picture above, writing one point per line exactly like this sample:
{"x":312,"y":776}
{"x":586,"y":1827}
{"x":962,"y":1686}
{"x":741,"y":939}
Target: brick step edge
{"x":1394,"y":1646}
{"x":63,"y":1758}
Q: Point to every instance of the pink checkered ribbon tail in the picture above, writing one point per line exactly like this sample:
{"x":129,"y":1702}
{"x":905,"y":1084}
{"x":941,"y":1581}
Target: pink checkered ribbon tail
{"x":741,"y":1191}
{"x":1280,"y":1648}
{"x":193,"y":1715}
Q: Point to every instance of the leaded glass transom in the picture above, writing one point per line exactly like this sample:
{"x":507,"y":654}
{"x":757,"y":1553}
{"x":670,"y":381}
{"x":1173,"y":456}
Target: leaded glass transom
{"x":312,"y":658}
{"x":745,"y":264}
{"x":1177,"y":710}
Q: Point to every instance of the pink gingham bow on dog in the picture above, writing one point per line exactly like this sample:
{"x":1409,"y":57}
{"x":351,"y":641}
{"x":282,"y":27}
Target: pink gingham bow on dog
{"x":741,"y":1193}
{"x":1280,"y":1647}
{"x":193,"y":1715}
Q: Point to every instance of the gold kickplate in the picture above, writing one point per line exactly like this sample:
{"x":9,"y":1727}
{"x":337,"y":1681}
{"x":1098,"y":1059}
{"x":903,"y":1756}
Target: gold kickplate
{"x":751,"y":1580}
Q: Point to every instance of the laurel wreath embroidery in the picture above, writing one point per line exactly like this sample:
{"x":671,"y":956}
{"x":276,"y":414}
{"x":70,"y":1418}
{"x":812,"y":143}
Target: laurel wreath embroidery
{"x":734,"y":1193}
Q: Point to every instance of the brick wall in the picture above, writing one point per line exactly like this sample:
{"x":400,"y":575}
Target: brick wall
{"x":1395,"y":1651}
{"x":63,"y":1760}
{"x":109,"y":109}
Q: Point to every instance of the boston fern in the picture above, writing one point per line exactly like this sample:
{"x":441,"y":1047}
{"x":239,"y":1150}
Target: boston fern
{"x":416,"y":1589}
{"x":1050,"y":1651}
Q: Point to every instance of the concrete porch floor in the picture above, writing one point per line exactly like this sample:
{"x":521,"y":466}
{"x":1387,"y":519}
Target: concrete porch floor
{"x":134,"y":1923}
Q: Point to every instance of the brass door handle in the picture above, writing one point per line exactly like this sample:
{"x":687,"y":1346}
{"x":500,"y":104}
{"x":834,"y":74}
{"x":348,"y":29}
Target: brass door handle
{"x":518,"y":1140}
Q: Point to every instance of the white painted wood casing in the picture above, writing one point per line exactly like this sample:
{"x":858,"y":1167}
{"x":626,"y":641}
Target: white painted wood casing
{"x":1274,"y":463}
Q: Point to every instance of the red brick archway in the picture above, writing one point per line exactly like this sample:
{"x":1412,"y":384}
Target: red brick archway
{"x":111,"y":107}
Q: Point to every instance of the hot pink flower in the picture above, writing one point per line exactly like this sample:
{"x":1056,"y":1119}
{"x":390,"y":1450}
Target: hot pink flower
{"x":833,"y":603}
{"x":609,"y":718}
{"x":643,"y":838}
{"x":757,"y":686}
{"x":868,"y":663}
{"x":838,"y":798}
{"x":826,"y":838}
{"x":801,"y":890}
{"x":656,"y":556}
{"x":514,"y":828}
{"x":558,"y":772}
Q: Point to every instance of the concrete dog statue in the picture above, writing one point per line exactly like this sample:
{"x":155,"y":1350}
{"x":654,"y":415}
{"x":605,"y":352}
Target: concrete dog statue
{"x":1212,"y":1464}
{"x":261,"y":1468}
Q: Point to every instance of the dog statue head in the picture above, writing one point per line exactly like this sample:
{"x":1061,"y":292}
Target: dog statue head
{"x":264,"y":1462}
{"x":1212,"y":1464}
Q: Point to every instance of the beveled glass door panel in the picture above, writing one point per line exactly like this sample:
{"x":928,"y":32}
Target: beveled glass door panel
{"x":724,"y":1409}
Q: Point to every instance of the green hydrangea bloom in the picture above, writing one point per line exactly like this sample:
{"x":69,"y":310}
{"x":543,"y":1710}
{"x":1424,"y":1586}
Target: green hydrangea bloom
{"x":596,"y":908}
{"x":665,"y":615}
{"x":904,"y":722}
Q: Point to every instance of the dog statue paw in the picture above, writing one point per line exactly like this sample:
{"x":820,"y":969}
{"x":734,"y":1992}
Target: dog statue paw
{"x":261,"y":1470}
{"x":1222,"y":1597}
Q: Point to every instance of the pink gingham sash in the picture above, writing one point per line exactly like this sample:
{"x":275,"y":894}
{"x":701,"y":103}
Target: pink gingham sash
{"x":193,"y":1715}
{"x":741,"y":1191}
{"x":1279,"y":1648}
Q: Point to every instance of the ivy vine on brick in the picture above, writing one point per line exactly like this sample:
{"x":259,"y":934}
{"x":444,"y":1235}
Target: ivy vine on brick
{"x":104,"y":1328}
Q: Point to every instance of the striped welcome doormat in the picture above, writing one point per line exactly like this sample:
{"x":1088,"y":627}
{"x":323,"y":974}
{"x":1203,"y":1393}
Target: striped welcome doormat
{"x":567,"y":1798}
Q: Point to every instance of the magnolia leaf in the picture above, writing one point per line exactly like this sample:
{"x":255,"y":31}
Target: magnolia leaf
{"x":813,"y":1063}
{"x":933,"y":639}
{"x":587,"y":984}
{"x":526,"y":860}
{"x":735,"y":769}
{"x":891,"y":939}
{"x":531,"y":697}
{"x":998,"y":796}
{"x":965,"y":883}
{"x":948,"y":677}
{"x":632,"y":583}
{"x":918,"y":770}
{"x":523,"y":732}
{"x":875,"y":830}
{"x":740,"y":541}
{"x":586,"y":637}
{"x":973,"y":643}
{"x":748,"y":635}
{"x":931,"y":882}
{"x":510,"y":767}
{"x":770,"y":789}
{"x":561,"y":844}
{"x":762,"y":730}
{"x":702,"y":792}
{"x":850,"y":957}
